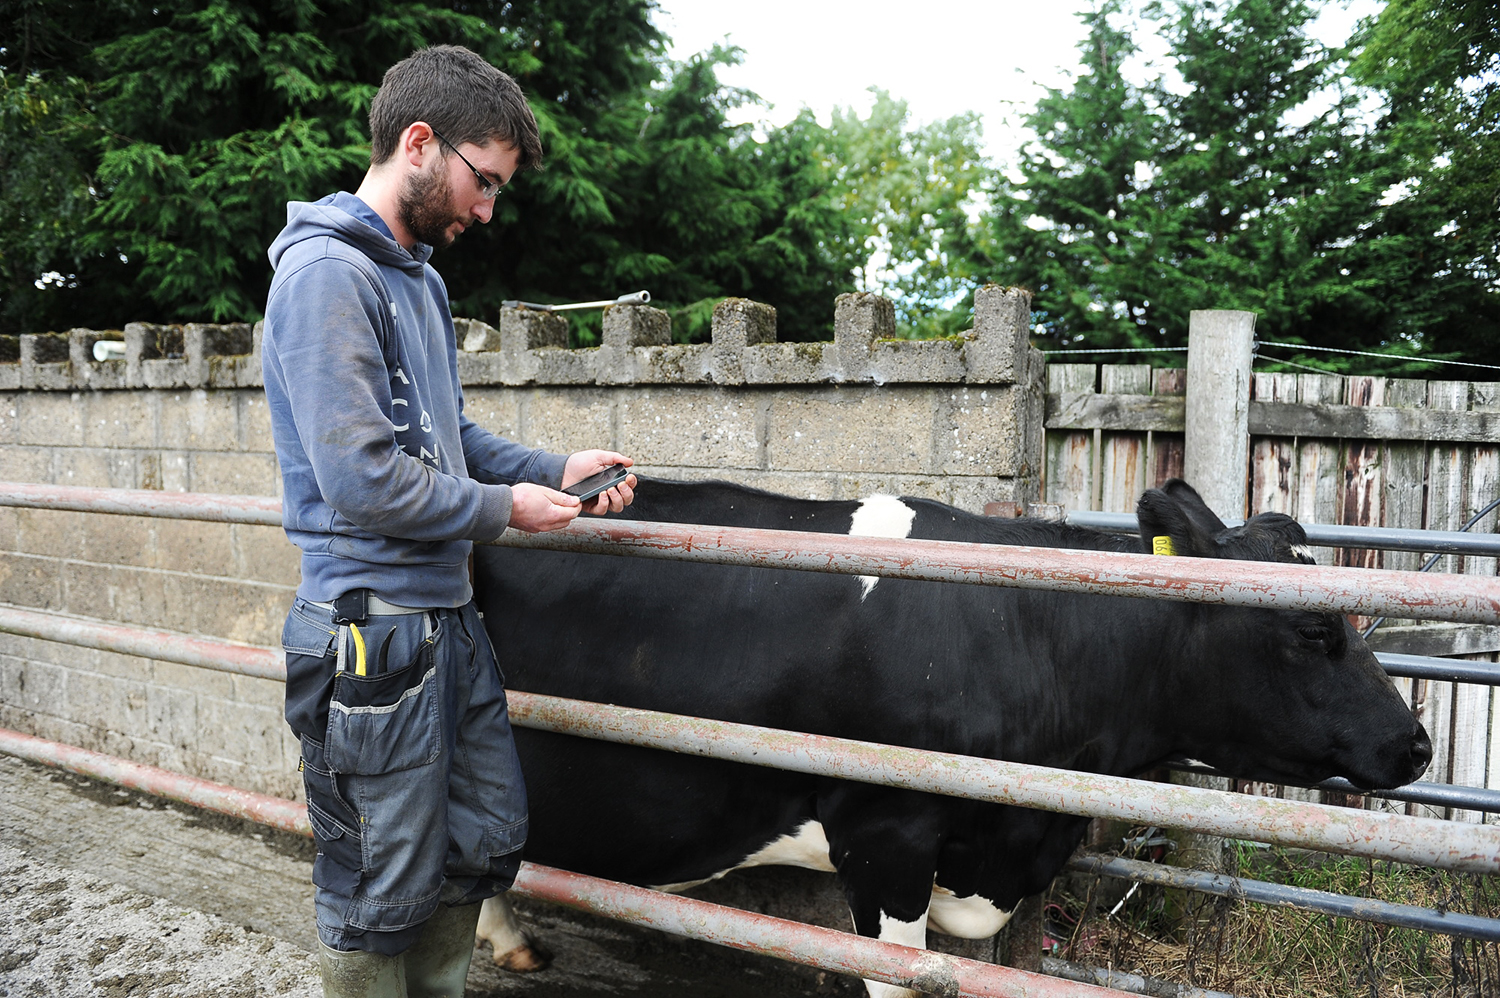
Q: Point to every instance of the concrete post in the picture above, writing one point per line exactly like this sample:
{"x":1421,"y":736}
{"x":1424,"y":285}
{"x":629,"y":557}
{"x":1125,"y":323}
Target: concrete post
{"x":629,"y":326}
{"x":625,"y":328}
{"x":522,"y":330}
{"x":999,"y":347}
{"x":859,"y":319}
{"x":1216,"y":452}
{"x":738,"y":323}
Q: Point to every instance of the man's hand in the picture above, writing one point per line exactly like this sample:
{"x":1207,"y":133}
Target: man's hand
{"x":591,"y":462}
{"x":536,"y":508}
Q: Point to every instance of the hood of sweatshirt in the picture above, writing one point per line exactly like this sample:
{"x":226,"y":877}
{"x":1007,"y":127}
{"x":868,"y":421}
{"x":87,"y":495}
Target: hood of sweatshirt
{"x":312,"y":219}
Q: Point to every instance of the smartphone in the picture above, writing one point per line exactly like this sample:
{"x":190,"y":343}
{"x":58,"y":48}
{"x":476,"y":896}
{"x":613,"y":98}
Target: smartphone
{"x":595,"y":484}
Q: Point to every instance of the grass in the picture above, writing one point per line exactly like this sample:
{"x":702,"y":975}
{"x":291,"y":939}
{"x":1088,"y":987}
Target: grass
{"x":1260,"y":951}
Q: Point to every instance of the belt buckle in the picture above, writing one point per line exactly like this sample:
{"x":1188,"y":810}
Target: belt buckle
{"x":352,"y":608}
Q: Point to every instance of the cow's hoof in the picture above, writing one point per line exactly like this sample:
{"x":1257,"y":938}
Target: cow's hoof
{"x":525,"y":959}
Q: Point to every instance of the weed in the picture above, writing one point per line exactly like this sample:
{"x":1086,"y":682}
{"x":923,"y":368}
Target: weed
{"x":1263,"y":951}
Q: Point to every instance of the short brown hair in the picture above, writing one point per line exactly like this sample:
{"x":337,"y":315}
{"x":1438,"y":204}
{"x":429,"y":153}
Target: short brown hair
{"x":459,"y":94}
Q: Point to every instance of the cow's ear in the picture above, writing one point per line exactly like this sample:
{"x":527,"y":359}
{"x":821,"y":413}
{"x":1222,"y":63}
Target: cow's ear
{"x":1175,"y":511}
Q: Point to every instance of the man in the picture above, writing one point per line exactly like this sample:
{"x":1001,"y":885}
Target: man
{"x":413,"y":787}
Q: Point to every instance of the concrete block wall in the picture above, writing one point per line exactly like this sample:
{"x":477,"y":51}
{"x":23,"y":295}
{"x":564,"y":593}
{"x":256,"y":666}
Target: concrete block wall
{"x":958,"y":420}
{"x":225,"y":580}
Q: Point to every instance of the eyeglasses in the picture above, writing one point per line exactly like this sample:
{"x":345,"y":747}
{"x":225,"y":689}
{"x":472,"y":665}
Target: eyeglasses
{"x":489,"y":188}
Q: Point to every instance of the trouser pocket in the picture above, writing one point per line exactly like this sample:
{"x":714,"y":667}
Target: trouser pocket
{"x":388,"y":721}
{"x":339,"y":864}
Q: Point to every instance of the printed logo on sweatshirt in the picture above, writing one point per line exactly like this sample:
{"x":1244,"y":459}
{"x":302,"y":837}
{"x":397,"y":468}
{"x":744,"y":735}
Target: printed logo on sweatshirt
{"x":419,"y":442}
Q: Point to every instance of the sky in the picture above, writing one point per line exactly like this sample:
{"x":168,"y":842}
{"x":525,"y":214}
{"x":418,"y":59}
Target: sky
{"x":943,"y":57}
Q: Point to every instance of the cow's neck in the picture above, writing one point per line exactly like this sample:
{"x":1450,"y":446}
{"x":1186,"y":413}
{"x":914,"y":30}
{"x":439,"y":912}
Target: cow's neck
{"x":1117,"y":718}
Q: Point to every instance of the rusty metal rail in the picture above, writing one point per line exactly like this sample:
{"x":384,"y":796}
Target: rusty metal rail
{"x":1266,"y":585}
{"x":263,"y":510}
{"x":1422,"y":841}
{"x":827,"y":949}
{"x":1467,"y":599}
{"x":206,"y":653}
{"x":1395,"y":837}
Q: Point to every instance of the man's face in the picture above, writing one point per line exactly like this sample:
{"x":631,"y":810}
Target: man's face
{"x":445,"y":197}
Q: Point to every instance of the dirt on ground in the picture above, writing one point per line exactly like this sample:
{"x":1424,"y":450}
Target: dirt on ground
{"x":108,"y":893}
{"x":68,"y":933}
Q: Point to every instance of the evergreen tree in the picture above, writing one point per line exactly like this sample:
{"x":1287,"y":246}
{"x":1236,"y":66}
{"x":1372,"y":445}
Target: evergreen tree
{"x":661,"y":193}
{"x":1254,"y":185}
{"x":1438,"y":64}
{"x":1080,"y":228}
{"x":147,"y":152}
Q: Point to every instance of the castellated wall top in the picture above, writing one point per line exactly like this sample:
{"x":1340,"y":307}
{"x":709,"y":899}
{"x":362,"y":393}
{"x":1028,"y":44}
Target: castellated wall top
{"x":530,"y":348}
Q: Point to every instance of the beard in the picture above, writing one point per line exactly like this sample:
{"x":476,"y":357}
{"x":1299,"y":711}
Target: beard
{"x":425,"y":207}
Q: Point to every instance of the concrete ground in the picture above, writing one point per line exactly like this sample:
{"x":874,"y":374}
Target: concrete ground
{"x":111,"y":893}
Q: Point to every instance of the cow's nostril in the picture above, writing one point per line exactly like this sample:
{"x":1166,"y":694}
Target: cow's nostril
{"x":1421,"y":752}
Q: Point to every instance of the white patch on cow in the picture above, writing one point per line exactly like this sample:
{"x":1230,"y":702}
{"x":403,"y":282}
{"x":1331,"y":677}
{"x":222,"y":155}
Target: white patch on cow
{"x":906,"y":934}
{"x":498,"y":924}
{"x":807,"y":847}
{"x":1302,"y":551}
{"x":686,"y":885}
{"x":880,"y":516}
{"x":971,"y":917}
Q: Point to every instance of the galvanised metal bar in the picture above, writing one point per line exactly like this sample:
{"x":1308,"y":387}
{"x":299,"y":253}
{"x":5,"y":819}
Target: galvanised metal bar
{"x":1432,"y":794}
{"x":209,"y":653}
{"x":1372,"y":592}
{"x":1423,"y":841}
{"x":1119,"y":980}
{"x":287,"y":815}
{"x":828,"y":949}
{"x":1400,"y":838}
{"x":1333,"y":535}
{"x":265,"y":510}
{"x":1280,"y":895}
{"x":1268,"y":585}
{"x":1455,"y":670}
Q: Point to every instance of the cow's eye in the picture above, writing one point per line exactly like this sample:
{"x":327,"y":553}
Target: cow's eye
{"x":1312,"y":633}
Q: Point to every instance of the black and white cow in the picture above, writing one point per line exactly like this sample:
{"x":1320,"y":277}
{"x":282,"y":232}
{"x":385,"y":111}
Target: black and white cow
{"x":1095,"y":683}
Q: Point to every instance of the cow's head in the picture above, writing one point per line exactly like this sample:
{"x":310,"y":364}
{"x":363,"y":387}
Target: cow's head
{"x":1284,"y":695}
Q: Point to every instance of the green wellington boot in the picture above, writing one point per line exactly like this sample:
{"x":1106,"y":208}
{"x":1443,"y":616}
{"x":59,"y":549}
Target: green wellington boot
{"x":357,"y":974}
{"x":437,"y":965}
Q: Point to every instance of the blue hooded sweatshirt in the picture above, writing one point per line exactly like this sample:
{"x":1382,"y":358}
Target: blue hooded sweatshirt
{"x":386,"y":482}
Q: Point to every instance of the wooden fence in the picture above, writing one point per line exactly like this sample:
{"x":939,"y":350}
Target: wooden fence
{"x":1327,"y":449}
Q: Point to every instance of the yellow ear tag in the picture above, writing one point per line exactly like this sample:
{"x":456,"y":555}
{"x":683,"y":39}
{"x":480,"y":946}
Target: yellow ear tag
{"x":1162,"y":544}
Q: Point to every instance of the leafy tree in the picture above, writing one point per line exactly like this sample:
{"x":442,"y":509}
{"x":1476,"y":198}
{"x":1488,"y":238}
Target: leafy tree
{"x":915,"y":193}
{"x":191,"y":124}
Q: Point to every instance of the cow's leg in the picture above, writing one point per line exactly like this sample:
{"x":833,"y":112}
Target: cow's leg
{"x":514,"y":949}
{"x":885,"y":844}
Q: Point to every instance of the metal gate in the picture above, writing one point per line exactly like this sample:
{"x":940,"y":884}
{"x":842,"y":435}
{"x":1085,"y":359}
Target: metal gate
{"x":1400,"y":838}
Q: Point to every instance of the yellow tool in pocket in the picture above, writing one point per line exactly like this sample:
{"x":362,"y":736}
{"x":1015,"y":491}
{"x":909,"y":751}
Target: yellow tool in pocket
{"x":346,"y":631}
